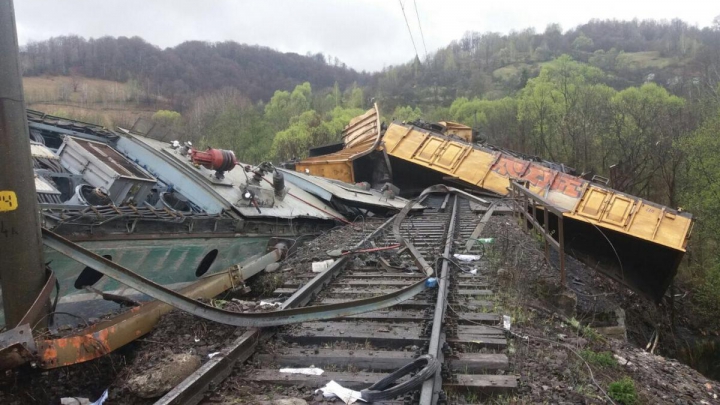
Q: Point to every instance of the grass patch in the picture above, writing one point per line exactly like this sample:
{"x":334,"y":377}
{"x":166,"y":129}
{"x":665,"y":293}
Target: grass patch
{"x":623,"y":391}
{"x":643,"y":60}
{"x":599,"y":359}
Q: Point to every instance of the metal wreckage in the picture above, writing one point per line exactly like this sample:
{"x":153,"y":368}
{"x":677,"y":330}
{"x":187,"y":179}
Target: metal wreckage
{"x":129,"y":217}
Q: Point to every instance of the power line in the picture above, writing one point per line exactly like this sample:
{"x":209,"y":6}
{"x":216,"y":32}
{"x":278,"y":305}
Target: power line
{"x":408,"y":27}
{"x":420,"y":26}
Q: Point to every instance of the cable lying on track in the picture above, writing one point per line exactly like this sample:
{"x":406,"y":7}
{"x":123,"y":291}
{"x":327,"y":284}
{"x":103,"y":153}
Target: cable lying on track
{"x":379,"y":390}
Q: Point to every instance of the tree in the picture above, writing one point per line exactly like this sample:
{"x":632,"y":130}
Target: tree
{"x":582,"y":43}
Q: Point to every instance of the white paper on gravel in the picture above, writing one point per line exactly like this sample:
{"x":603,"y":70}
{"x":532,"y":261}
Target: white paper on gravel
{"x":306,"y":371}
{"x":266,"y":305}
{"x":506,"y":322}
{"x":467,"y":258}
{"x":333,"y":389}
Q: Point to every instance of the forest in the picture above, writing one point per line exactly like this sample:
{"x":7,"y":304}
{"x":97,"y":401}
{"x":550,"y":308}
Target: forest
{"x":635,"y":101}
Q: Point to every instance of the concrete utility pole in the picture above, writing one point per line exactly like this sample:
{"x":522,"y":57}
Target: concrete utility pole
{"x":22,"y":271}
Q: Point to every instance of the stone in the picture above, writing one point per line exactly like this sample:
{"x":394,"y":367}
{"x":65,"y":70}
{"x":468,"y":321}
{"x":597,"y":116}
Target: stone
{"x":162,"y":377}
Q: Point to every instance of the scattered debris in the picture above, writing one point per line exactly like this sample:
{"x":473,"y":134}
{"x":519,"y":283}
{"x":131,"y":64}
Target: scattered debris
{"x":335,"y":390}
{"x":467,"y":258}
{"x":84,"y":401}
{"x":319,"y":267}
{"x":305,"y":370}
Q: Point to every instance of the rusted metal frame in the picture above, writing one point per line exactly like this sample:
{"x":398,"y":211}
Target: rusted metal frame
{"x":431,"y":387}
{"x":192,"y":389}
{"x":559,"y":244}
{"x":536,"y":225}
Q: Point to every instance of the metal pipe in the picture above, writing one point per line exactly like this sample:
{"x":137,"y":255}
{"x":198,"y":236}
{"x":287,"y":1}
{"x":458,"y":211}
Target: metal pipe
{"x":22,"y":270}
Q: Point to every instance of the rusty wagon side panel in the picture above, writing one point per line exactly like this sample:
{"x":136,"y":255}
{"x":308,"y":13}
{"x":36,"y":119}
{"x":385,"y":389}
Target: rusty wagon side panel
{"x":583,"y":200}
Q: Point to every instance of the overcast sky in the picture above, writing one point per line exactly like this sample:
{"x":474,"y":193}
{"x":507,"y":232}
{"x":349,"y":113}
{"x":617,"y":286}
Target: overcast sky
{"x":365,"y":34}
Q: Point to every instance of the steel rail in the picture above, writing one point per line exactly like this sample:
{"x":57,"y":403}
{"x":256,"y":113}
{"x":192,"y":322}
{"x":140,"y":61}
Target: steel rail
{"x":431,"y":388}
{"x":191,"y":390}
{"x":187,"y":304}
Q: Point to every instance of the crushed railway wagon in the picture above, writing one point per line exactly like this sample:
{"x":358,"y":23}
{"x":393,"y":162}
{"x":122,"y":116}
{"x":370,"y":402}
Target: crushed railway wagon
{"x":635,"y":241}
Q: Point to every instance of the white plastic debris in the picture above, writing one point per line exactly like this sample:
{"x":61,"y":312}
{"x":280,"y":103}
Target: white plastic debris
{"x":319,"y":267}
{"x":473,"y":271}
{"x":467,"y":258}
{"x":506,"y":322}
{"x":306,"y":371}
{"x":333,"y":389}
{"x":265,"y":305}
{"x":84,"y":401}
{"x":211,"y":355}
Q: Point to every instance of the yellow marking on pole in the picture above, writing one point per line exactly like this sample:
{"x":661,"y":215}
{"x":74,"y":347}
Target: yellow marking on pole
{"x":8,"y":201}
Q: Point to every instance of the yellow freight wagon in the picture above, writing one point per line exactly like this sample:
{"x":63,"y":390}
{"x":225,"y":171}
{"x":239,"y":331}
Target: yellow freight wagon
{"x":630,"y":239}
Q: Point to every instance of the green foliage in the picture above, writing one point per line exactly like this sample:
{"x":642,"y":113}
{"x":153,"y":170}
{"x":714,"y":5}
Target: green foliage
{"x":167,"y":118}
{"x":702,"y":198}
{"x":582,"y":42}
{"x":600,"y":359}
{"x":242,"y":131}
{"x":355,"y":98}
{"x":623,"y":391}
{"x":407,"y":114}
{"x":311,"y":129}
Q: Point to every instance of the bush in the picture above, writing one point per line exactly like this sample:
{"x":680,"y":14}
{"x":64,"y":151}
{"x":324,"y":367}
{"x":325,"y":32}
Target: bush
{"x":623,"y":391}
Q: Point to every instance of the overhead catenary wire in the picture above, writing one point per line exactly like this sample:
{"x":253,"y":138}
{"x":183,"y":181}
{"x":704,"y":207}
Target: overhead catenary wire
{"x":408,"y":27}
{"x":422,"y":36}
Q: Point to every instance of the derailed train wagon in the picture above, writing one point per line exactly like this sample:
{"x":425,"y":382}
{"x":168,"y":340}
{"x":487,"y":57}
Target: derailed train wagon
{"x":637,"y":242}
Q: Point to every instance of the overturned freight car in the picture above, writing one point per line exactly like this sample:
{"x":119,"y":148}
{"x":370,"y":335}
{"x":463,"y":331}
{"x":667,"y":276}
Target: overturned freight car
{"x":634,"y":241}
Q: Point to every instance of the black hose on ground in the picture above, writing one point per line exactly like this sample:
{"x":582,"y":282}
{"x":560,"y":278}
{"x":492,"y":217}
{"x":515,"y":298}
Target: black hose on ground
{"x":428,"y":366}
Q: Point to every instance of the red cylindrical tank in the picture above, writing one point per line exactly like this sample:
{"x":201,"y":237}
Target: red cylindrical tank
{"x":214,"y":159}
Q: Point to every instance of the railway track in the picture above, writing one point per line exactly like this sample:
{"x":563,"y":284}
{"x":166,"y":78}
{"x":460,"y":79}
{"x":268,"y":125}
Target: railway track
{"x":453,"y":322}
